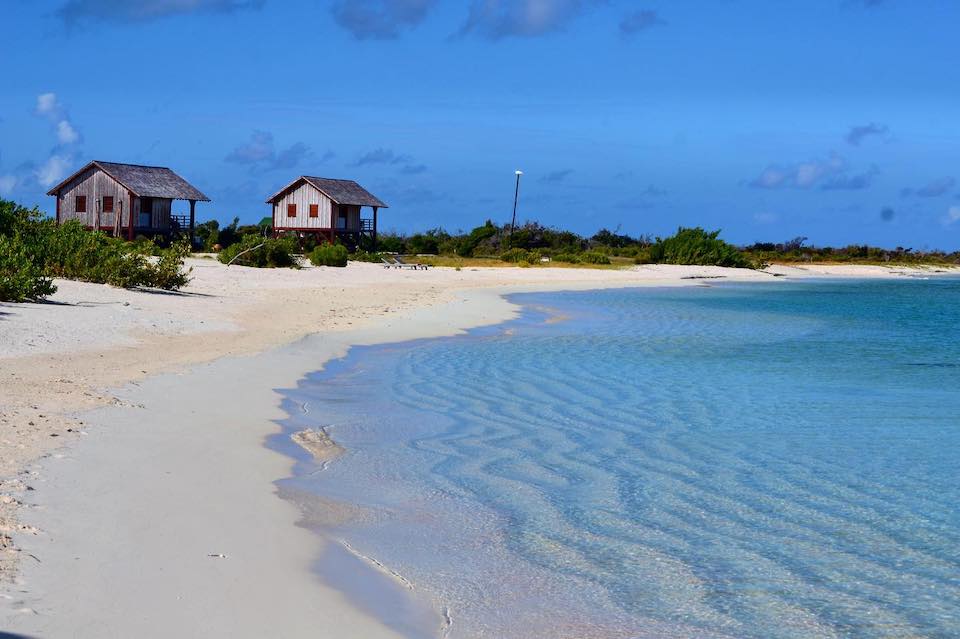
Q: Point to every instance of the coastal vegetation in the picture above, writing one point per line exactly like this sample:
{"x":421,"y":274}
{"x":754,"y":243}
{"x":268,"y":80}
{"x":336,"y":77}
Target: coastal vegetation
{"x":796,"y":250}
{"x":34,"y":250}
{"x":533,"y":244}
{"x":261,"y":252}
{"x":329,"y":255}
{"x":697,"y":246}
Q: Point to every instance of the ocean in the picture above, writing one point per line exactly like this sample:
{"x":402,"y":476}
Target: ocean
{"x":761,"y":461}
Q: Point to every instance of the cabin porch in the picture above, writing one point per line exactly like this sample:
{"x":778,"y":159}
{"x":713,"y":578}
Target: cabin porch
{"x":351,"y":227}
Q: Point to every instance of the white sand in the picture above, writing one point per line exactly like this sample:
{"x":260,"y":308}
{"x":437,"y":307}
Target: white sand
{"x":122,"y":520}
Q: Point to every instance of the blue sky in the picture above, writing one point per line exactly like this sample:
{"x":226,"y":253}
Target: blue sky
{"x":832,"y":119}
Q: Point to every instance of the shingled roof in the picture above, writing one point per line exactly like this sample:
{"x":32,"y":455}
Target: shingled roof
{"x":144,"y":181}
{"x":340,"y":191}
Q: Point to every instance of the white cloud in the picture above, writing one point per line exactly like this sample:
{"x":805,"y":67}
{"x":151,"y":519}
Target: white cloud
{"x":830,"y":174}
{"x":51,"y":109}
{"x":66,"y":134}
{"x":7,"y":184}
{"x":54,"y":169}
{"x":952,"y":216}
{"x":498,"y":19}
{"x":48,"y":106}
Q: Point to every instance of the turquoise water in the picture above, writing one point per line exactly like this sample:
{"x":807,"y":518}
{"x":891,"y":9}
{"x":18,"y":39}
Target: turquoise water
{"x":763,"y":461}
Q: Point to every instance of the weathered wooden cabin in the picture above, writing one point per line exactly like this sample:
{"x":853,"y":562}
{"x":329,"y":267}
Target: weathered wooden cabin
{"x":326,"y":208}
{"x":127,"y":200}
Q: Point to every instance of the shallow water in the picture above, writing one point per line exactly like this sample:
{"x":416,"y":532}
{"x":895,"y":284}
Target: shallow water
{"x":748,"y":461}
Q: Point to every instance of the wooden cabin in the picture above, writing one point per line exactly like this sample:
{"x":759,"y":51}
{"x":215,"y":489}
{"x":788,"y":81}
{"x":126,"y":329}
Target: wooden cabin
{"x":126,"y":200}
{"x":326,"y":208}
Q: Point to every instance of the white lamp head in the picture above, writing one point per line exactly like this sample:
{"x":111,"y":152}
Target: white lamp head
{"x":519,"y":172}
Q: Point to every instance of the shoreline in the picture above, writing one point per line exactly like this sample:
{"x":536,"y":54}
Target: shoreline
{"x":425,"y":308}
{"x":178,"y":511}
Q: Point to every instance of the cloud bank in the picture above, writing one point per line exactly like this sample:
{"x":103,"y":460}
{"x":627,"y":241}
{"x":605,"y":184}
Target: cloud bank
{"x":830,"y":174}
{"x":379,"y":19}
{"x":497,"y":19}
{"x":260,"y":153}
{"x":940,"y":186}
{"x":858,"y":134}
{"x":75,"y":11}
{"x":389,"y":158}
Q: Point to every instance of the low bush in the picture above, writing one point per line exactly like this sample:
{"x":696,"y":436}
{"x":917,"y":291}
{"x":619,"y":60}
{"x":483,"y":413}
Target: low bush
{"x":329,"y":255}
{"x":20,"y":278}
{"x":33,"y":250}
{"x":594,"y":257}
{"x":167,"y":271}
{"x":260,"y":252}
{"x":517,"y":255}
{"x":697,"y":246}
{"x":366,"y":256}
{"x":568,"y":258}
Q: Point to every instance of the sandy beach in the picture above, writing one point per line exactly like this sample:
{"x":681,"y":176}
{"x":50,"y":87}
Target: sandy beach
{"x":136,"y":496}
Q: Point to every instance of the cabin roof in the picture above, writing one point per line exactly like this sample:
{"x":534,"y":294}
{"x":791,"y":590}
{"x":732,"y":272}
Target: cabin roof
{"x":144,"y":181}
{"x":340,"y":191}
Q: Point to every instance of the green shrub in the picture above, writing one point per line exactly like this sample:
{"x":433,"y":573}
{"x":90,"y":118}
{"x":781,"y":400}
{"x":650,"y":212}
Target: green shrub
{"x":568,"y":258}
{"x":594,"y":257}
{"x":426,"y":243}
{"x":35,"y":249}
{"x":329,"y":255}
{"x":167,"y":271}
{"x":20,"y":278}
{"x":516,"y":255}
{"x":697,"y":246}
{"x":521,"y":255}
{"x":366,"y":256}
{"x":260,"y":252}
{"x":467,"y":244}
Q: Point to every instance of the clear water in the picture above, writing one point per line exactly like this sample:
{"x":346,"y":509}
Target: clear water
{"x":737,"y":461}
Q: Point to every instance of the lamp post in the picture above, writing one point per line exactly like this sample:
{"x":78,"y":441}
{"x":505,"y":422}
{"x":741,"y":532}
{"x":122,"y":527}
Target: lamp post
{"x":516,"y":196}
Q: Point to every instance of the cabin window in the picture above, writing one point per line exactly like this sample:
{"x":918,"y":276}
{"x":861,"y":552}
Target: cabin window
{"x":81,"y":204}
{"x":291,"y":210}
{"x":342,"y":217}
{"x":314,"y":210}
{"x":107,"y":204}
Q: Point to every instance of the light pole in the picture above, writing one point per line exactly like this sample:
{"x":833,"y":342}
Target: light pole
{"x":516,"y":196}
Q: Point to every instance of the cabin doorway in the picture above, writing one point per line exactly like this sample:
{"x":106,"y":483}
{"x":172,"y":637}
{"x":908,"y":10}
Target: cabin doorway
{"x":342,"y":212}
{"x":146,"y":213}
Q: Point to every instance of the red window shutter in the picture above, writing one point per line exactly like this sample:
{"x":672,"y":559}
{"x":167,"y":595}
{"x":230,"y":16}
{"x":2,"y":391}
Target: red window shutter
{"x":108,"y":204}
{"x":314,"y":210}
{"x":81,"y":206}
{"x":291,"y":210}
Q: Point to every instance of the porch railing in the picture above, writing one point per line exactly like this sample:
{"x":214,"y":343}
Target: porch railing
{"x":181,"y":222}
{"x":366,"y":225}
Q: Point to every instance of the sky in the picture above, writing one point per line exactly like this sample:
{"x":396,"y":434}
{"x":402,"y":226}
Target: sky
{"x":836,"y":120}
